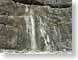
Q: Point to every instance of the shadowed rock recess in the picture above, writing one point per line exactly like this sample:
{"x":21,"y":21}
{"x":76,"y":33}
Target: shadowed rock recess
{"x":36,"y":25}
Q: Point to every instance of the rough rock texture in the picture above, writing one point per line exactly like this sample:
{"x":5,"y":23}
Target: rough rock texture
{"x":51,"y":3}
{"x":10,"y":29}
{"x":34,"y":27}
{"x":42,"y":1}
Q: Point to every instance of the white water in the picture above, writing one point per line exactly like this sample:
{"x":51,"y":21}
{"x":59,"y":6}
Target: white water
{"x":30,"y":25}
{"x":44,"y":34}
{"x":30,"y":29}
{"x":33,"y":40}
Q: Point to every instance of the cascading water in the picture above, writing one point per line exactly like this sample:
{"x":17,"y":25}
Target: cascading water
{"x":33,"y":40}
{"x":30,"y":25}
{"x":30,"y":29}
{"x":44,"y":34}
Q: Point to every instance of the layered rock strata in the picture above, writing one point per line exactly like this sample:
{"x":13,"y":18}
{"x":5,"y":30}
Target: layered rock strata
{"x":34,"y":27}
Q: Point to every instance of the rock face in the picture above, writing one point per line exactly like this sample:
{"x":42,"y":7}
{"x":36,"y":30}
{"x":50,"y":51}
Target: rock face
{"x":34,"y":27}
{"x":42,"y":1}
{"x":51,"y":3}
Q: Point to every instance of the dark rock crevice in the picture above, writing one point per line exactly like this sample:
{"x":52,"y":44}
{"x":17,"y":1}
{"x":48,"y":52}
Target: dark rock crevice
{"x":56,"y":4}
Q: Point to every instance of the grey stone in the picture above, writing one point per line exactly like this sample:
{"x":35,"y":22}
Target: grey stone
{"x":35,"y":27}
{"x":51,"y":3}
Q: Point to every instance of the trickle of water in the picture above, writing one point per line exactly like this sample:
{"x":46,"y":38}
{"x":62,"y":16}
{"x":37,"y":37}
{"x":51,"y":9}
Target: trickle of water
{"x":44,"y":34}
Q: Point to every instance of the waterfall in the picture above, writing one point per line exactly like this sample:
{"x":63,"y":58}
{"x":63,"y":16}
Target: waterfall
{"x":33,"y":40}
{"x":30,"y":25}
{"x":44,"y":34}
{"x":48,"y":40}
{"x":30,"y":29}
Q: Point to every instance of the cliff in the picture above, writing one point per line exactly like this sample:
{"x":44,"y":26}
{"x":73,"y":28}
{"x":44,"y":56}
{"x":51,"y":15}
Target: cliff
{"x":35,"y":27}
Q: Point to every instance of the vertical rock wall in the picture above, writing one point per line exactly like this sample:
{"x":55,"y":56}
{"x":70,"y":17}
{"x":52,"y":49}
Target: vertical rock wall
{"x":34,"y":27}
